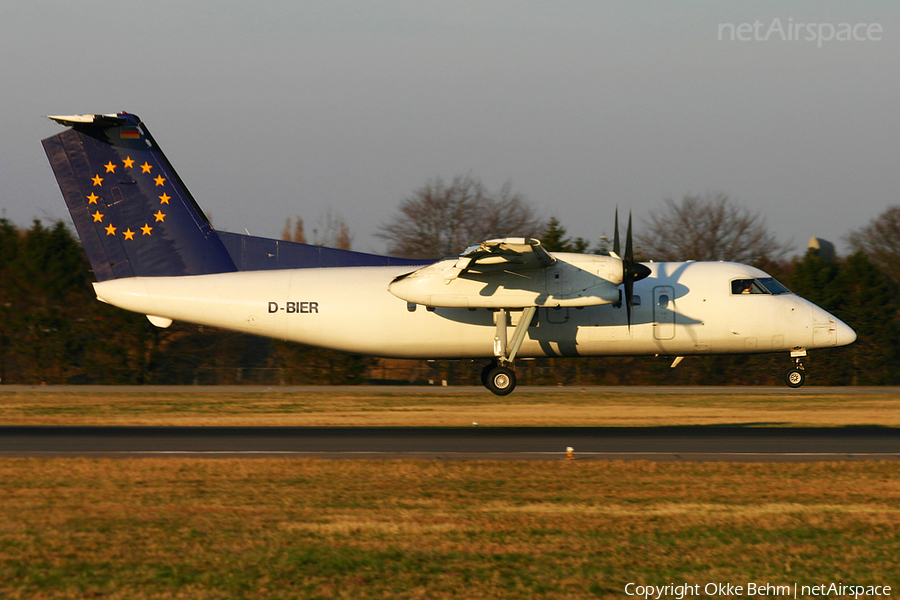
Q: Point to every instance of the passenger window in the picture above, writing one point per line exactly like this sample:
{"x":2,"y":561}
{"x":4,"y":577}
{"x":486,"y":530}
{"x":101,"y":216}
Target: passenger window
{"x":635,"y":301}
{"x":663,"y":300}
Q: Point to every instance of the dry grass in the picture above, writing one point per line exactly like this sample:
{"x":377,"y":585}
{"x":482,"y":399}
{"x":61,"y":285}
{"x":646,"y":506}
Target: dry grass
{"x":278,"y":528}
{"x":421,"y":409}
{"x":306,"y":528}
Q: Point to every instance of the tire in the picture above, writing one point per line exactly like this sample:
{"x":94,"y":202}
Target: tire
{"x":794,"y":378}
{"x":501,"y":381}
{"x":486,"y":372}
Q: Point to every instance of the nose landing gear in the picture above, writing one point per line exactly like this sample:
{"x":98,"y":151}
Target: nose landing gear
{"x":796,"y":375}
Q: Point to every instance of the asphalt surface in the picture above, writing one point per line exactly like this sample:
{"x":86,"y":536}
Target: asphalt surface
{"x":702,"y":443}
{"x":437,"y":389}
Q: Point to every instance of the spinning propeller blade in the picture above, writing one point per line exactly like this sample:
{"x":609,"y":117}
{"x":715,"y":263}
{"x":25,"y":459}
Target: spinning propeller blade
{"x":616,"y":251}
{"x":631,"y":271}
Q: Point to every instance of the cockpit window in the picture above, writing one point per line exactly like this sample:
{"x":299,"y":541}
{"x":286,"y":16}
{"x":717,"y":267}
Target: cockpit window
{"x":747,"y":286}
{"x":774,"y":286}
{"x":764,"y":285}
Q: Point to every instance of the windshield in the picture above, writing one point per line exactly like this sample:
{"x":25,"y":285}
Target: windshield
{"x":773,"y":286}
{"x":763,"y":285}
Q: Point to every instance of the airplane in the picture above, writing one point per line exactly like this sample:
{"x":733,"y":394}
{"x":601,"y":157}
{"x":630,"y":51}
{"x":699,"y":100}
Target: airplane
{"x":153,"y":251}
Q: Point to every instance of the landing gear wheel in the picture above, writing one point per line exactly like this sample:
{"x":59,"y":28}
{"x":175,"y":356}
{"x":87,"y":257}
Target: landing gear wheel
{"x":501,"y":381}
{"x":486,"y":371}
{"x":794,"y":377}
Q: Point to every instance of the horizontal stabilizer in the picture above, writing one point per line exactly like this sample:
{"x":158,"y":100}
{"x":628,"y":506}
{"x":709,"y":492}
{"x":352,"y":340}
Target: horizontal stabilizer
{"x":104,"y":120}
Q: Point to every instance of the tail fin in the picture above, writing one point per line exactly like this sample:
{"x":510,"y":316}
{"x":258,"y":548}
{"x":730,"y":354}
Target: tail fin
{"x":133,"y":213}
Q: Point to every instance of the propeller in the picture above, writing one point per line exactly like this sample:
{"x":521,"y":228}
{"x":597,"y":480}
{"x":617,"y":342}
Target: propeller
{"x":616,"y":252}
{"x":631,"y":271}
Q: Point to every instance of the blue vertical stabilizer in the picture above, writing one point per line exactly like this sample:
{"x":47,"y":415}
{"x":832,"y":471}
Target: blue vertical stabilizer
{"x":136,"y":218}
{"x":133,"y":213}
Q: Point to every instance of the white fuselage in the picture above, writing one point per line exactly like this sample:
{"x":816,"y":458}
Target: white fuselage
{"x":680,"y":309}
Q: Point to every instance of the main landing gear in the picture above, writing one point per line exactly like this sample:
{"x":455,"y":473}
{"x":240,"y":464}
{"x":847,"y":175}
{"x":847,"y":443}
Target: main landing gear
{"x":498,"y":379}
{"x":796,"y":375}
{"x":498,"y":376}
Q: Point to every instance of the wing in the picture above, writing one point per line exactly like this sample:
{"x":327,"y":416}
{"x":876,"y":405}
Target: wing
{"x":509,"y":254}
{"x":512,"y":273}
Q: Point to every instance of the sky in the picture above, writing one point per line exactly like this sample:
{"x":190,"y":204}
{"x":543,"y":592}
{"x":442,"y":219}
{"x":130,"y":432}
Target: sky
{"x":275,"y":109}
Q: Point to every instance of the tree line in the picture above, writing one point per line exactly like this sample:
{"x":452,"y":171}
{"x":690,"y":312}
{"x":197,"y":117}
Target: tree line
{"x":54,"y":331}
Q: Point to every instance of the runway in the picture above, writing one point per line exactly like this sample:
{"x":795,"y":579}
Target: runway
{"x":683,"y":443}
{"x":451,"y":390}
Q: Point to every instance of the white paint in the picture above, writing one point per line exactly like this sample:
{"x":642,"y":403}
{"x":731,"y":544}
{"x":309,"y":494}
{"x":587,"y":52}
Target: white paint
{"x":351,"y":309}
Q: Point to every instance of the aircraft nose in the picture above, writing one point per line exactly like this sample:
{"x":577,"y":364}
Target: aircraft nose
{"x":845,"y":333}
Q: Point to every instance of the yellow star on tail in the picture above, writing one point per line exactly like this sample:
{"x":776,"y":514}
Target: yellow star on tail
{"x":110,"y":167}
{"x":129,"y":162}
{"x":98,"y":216}
{"x":146,"y":229}
{"x":110,"y":230}
{"x":128,"y":233}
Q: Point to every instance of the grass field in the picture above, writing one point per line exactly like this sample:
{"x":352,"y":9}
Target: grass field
{"x":307,"y":528}
{"x":457,"y":409}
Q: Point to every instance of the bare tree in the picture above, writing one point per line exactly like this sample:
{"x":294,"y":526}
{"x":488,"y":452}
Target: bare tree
{"x":343,"y":240}
{"x":440,"y":220}
{"x":708,"y":227}
{"x":294,"y":234}
{"x":880,"y":241}
{"x":332,"y":231}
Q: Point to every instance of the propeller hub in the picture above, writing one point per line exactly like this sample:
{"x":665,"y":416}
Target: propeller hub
{"x":637,"y":271}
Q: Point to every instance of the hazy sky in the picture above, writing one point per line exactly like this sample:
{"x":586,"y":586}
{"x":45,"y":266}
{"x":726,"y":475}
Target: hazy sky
{"x":274,"y":109}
